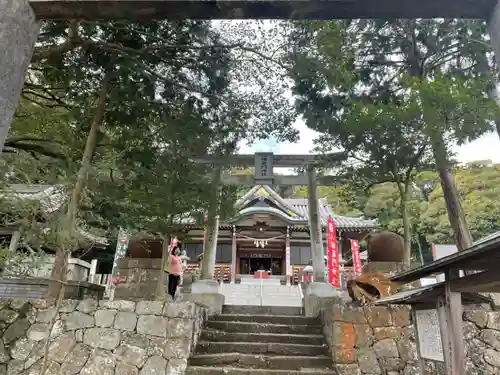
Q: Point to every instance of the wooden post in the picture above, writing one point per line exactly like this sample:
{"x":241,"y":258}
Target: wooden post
{"x":449,"y":308}
{"x":417,"y":339}
{"x":287,"y":257}
{"x":93,"y":270}
{"x":233,"y":257}
{"x":315,"y":227}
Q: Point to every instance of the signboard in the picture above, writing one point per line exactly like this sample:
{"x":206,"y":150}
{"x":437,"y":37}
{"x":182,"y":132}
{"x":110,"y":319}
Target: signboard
{"x":260,"y":255}
{"x":333,"y":254}
{"x":441,"y":251}
{"x":429,"y":335}
{"x":264,"y":168}
{"x":356,"y":257}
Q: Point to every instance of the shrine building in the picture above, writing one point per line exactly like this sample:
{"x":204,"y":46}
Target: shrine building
{"x":264,"y":227}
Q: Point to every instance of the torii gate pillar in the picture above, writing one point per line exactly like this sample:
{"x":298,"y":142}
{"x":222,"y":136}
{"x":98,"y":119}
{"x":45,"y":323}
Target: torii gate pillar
{"x":317,"y":252}
{"x":319,"y":294}
{"x":18,"y":32}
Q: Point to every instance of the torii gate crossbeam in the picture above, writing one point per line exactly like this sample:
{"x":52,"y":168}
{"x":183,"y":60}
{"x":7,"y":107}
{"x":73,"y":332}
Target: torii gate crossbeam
{"x":260,"y":9}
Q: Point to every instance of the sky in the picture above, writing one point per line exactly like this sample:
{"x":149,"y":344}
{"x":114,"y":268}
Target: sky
{"x":486,"y":147}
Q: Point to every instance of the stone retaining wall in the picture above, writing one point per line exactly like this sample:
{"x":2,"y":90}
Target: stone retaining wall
{"x":482,"y":344}
{"x":371,"y":340}
{"x":381,"y":341}
{"x":119,"y":337}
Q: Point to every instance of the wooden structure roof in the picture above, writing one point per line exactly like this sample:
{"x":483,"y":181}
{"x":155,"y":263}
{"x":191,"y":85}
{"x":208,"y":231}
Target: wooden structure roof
{"x":480,"y":265}
{"x":484,"y":256}
{"x":51,"y":198}
{"x":426,"y":296}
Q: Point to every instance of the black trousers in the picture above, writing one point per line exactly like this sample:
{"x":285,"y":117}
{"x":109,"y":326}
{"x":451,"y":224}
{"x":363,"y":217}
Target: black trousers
{"x":173,"y":282}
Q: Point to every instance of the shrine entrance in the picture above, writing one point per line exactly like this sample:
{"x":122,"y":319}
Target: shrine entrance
{"x":249,"y":263}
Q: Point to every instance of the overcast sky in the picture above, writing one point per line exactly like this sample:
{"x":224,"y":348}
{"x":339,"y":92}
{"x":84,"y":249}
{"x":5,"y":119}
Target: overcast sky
{"x":485,"y":148}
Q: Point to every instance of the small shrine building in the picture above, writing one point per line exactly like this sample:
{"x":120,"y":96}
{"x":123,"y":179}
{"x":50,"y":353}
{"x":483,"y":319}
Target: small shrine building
{"x":266,"y":224}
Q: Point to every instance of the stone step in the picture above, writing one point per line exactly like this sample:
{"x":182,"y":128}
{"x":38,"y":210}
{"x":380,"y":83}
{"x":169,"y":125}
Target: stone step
{"x":278,"y":319}
{"x":268,"y":301}
{"x":220,"y":336}
{"x":251,"y":327}
{"x":255,"y":361}
{"x":206,"y":347}
{"x":257,"y":292}
{"x":195,"y":370}
{"x":257,"y":295}
{"x":262,"y":310}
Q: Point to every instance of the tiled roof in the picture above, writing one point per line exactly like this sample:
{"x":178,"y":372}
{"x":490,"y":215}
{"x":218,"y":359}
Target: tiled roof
{"x":325,"y":211}
{"x":297,"y":209}
{"x":51,"y":198}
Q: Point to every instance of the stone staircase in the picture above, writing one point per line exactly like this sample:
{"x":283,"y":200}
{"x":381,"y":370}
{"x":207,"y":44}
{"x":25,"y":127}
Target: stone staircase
{"x":259,"y":340}
{"x":273,"y":294}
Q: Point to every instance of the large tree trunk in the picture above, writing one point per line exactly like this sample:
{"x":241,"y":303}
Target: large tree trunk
{"x":406,"y":225}
{"x":492,"y":92}
{"x":419,"y":244}
{"x":456,"y":216}
{"x":404,"y":195}
{"x":67,"y":225}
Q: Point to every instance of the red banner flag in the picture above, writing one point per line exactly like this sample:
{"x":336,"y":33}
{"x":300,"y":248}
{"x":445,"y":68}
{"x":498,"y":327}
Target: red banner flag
{"x":333,"y":254}
{"x":356,"y":257}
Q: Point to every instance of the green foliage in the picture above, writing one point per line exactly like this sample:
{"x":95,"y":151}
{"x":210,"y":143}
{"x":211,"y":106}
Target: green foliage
{"x":381,"y":90}
{"x":478,"y":189}
{"x":178,"y":91}
{"x":392,"y":96}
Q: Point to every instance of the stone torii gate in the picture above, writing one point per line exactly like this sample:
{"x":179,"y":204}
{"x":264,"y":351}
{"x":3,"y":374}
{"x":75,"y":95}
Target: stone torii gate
{"x":318,"y":293}
{"x":264,"y":164}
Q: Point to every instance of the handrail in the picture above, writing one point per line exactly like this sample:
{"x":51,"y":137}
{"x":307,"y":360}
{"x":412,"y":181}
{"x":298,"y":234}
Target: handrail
{"x":301,"y":294}
{"x":261,"y":290}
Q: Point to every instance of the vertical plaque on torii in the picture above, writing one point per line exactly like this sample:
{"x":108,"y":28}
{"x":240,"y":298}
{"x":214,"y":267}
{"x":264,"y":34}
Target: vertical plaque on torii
{"x":264,"y":168}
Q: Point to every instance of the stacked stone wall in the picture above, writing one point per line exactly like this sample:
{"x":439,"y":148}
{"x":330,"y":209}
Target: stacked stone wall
{"x":481,"y":331}
{"x":382,"y":341}
{"x":119,"y":337}
{"x":371,"y":340}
